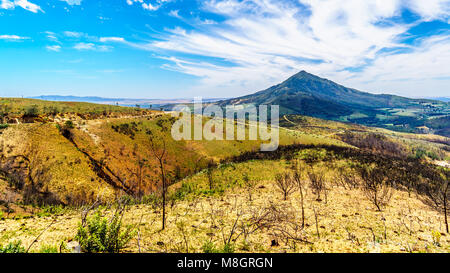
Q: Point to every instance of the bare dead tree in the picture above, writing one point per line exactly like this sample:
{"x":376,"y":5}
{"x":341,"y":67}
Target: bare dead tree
{"x":438,"y":192}
{"x":229,"y":233}
{"x":299,"y":182}
{"x":54,"y":221}
{"x":317,"y":182}
{"x":249,"y":185}
{"x":317,"y":222}
{"x":209,"y":175}
{"x":281,"y":221}
{"x":347,"y":179}
{"x":138,"y":172}
{"x":158,"y":147}
{"x":376,"y":185}
{"x":285,"y":184}
{"x":181,"y":226}
{"x":300,"y":186}
{"x":403,"y":176}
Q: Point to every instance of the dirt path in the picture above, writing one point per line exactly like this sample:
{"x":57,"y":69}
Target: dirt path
{"x":88,"y":125}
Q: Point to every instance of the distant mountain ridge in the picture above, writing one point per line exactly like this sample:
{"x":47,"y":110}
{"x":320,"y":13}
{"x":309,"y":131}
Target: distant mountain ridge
{"x":120,"y":101}
{"x":445,"y":99}
{"x":310,"y":95}
{"x":72,"y":98}
{"x":305,"y":93}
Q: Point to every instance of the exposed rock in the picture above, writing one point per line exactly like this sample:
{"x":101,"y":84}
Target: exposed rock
{"x":74,"y":247}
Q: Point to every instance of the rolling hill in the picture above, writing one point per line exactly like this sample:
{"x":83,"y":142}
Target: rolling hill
{"x":56,"y":166}
{"x":307,"y":94}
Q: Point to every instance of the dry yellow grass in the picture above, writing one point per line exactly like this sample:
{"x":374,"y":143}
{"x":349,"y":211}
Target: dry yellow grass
{"x":346,"y":222}
{"x":62,"y":169}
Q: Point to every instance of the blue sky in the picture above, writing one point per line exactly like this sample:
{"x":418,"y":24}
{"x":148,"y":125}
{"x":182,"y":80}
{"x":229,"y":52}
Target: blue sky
{"x":221,"y":48}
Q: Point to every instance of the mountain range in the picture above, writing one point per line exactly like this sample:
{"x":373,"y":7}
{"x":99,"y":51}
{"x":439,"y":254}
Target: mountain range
{"x":310,"y":95}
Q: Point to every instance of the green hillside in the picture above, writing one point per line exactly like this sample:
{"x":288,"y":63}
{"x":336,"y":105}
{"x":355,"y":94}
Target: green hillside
{"x":309,"y":95}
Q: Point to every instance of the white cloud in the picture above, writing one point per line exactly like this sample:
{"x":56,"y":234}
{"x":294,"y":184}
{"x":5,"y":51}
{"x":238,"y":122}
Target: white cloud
{"x":147,"y":5}
{"x":6,"y":4}
{"x":112,"y":39}
{"x":208,"y":22}
{"x":51,"y":36}
{"x":130,"y":2}
{"x":10,"y":4}
{"x":72,"y":2}
{"x":261,"y":42}
{"x":175,"y":13}
{"x":55,"y":48}
{"x":431,"y":9}
{"x":12,"y":38}
{"x":84,"y":46}
{"x":425,"y":68}
{"x":267,"y":41}
{"x":91,"y":47}
{"x":73,"y":34}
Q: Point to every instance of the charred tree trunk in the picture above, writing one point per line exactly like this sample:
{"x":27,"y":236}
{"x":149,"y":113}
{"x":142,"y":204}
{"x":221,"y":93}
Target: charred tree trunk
{"x":163,"y":178}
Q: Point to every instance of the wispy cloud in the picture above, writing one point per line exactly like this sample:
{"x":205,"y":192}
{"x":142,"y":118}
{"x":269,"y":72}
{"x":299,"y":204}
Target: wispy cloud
{"x":73,"y":34}
{"x":55,"y":48}
{"x":261,"y":42}
{"x":72,"y":2}
{"x":91,"y":47}
{"x":430,"y":9}
{"x":12,"y":38}
{"x":424,"y":67}
{"x":112,"y":39}
{"x":267,"y":40}
{"x":175,"y":13}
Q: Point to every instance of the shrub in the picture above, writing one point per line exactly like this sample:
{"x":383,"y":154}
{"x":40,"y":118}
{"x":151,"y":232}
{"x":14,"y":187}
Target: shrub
{"x":66,"y":129}
{"x":128,"y":129}
{"x":228,"y":248}
{"x":69,"y":124}
{"x":420,"y":153}
{"x":51,"y":110}
{"x":48,"y":249}
{"x":209,"y":247}
{"x":31,"y":111}
{"x":99,"y":234}
{"x":436,"y":235}
{"x":183,"y":191}
{"x":15,"y":247}
{"x":152,"y":199}
{"x":50,"y":210}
